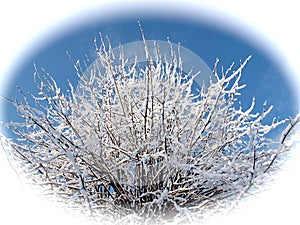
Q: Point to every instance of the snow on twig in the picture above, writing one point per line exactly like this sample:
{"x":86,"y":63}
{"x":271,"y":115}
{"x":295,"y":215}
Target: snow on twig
{"x":141,"y":141}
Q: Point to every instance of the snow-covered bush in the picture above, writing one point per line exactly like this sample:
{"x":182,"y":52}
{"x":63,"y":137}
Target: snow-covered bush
{"x":139,"y":142}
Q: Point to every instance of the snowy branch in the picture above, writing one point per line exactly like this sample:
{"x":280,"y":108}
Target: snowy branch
{"x":138,"y":139}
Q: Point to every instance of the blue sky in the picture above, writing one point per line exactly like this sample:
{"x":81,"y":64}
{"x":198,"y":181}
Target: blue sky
{"x":265,"y":79}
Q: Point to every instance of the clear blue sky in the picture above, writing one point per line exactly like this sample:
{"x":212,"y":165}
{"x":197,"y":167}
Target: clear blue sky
{"x":265,"y":80}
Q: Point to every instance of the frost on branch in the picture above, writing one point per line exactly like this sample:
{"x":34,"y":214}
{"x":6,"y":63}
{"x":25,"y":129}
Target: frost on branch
{"x":138,"y":141}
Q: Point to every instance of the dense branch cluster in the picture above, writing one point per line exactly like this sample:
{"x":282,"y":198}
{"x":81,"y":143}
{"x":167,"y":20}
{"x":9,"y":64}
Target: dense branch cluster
{"x":141,"y":140}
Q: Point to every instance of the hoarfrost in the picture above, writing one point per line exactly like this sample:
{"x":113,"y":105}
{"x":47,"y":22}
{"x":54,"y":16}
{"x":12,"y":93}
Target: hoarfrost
{"x":137,"y":142}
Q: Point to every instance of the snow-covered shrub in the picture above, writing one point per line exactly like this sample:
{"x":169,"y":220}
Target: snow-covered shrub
{"x":139,"y":142}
